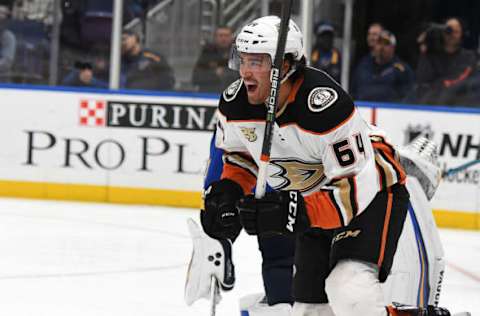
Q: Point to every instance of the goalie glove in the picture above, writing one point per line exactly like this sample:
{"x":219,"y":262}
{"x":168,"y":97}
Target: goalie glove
{"x":210,"y":257}
{"x":278,"y":212}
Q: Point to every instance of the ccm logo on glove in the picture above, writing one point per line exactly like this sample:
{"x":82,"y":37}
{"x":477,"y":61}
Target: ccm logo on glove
{"x":278,"y":212}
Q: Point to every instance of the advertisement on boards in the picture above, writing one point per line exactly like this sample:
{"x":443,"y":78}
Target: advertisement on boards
{"x":457,"y":136}
{"x":112,"y":140}
{"x":137,"y":148}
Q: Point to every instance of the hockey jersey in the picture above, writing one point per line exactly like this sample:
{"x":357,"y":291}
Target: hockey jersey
{"x":321,"y":146}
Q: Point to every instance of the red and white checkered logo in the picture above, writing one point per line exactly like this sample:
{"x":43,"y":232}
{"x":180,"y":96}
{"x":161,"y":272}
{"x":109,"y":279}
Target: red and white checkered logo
{"x":92,"y":113}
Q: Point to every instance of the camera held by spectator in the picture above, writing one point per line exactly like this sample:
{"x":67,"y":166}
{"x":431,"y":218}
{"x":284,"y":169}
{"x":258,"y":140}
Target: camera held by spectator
{"x":445,"y":68}
{"x":433,"y":38}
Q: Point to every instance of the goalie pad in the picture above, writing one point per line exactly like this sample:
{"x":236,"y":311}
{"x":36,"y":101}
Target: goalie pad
{"x":210,"y":258}
{"x":420,"y":160}
{"x":418,"y":265}
{"x":256,"y":305}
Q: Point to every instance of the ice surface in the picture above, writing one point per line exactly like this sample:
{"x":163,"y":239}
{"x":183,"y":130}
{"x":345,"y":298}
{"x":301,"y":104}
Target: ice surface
{"x":67,"y":258}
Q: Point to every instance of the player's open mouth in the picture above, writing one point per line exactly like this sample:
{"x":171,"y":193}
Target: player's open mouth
{"x":251,"y":87}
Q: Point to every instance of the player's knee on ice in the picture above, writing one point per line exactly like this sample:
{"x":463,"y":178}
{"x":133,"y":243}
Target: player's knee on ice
{"x":353,"y":289}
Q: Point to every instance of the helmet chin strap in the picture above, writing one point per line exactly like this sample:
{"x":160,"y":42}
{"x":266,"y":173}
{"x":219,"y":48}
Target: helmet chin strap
{"x":288,"y":74}
{"x":285,"y":78}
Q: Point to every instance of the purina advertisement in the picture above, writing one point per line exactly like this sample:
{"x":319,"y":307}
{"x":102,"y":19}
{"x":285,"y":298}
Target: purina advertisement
{"x":93,"y":145}
{"x":135,"y":148}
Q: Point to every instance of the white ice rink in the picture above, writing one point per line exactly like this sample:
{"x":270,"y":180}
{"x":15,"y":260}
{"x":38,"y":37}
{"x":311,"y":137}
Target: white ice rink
{"x":69,"y":259}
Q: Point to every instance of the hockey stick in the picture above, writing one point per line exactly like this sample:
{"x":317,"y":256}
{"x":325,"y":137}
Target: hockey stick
{"x":214,"y":296}
{"x":272,"y":104}
{"x":455,"y":170}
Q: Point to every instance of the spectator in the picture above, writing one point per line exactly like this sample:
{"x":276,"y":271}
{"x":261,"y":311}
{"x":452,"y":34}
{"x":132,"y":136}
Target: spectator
{"x":211,"y":72}
{"x":34,"y":10}
{"x":373,"y":33}
{"x":86,"y":74}
{"x":383,"y":76}
{"x":324,"y":55}
{"x":142,"y":68}
{"x":444,"y":67}
{"x":8,"y":45}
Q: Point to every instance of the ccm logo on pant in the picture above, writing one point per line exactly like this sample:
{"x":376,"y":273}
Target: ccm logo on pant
{"x":292,"y":210}
{"x":346,"y":234}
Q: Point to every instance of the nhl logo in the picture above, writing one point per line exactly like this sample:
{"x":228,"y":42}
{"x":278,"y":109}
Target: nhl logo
{"x":414,"y":131}
{"x":231,"y":92}
{"x":321,"y":98}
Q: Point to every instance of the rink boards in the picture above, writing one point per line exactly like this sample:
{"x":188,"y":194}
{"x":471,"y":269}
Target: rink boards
{"x":152,"y":149}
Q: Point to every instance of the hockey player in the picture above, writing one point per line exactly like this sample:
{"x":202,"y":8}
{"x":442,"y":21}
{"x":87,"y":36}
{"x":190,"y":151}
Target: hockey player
{"x":340,"y":189}
{"x":418,"y":267}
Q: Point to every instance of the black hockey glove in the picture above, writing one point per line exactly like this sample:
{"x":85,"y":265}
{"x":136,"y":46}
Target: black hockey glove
{"x":279,"y":212}
{"x":220,"y":217}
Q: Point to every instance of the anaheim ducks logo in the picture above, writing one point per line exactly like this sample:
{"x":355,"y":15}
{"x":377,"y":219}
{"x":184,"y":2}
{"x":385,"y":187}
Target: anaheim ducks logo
{"x":321,"y":98}
{"x":231,"y":92}
{"x":292,"y":174}
{"x":249,"y":133}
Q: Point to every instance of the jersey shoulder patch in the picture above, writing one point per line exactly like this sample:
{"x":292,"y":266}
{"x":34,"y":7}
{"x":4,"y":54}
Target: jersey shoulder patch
{"x":320,"y":104}
{"x":320,"y":98}
{"x":232,"y":90}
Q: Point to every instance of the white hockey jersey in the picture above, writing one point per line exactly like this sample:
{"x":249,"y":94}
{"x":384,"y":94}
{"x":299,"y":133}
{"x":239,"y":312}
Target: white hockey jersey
{"x":321,"y":147}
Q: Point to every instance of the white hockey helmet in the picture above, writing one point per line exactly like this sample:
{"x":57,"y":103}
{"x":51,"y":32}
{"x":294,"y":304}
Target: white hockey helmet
{"x":261,"y":35}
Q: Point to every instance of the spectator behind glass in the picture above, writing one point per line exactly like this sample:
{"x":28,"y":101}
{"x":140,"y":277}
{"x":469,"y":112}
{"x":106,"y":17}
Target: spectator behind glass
{"x":8,"y":45}
{"x":383,"y":76}
{"x":142,"y":68}
{"x":86,"y":74}
{"x":211,"y":72}
{"x":373,"y":33}
{"x":324,"y":55}
{"x":34,"y":10}
{"x":444,"y":67}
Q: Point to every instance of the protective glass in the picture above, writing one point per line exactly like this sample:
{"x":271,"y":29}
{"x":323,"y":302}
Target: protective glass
{"x":249,"y":62}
